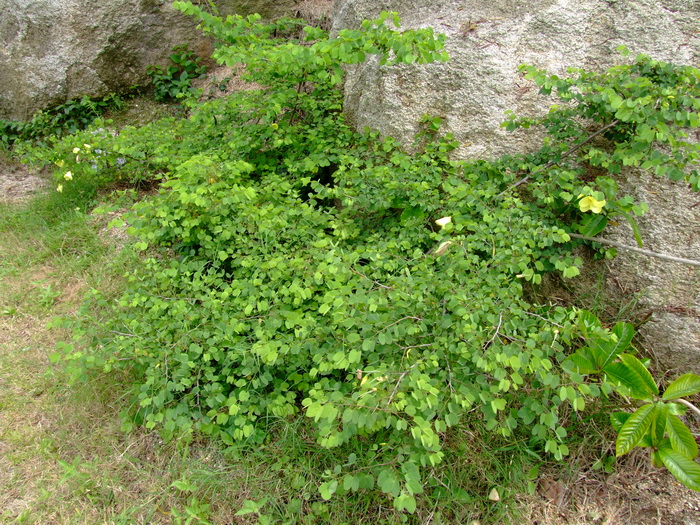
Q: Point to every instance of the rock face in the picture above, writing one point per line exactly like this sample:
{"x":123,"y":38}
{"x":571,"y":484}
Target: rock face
{"x":54,"y":50}
{"x":486,"y":42}
{"x":667,"y":292}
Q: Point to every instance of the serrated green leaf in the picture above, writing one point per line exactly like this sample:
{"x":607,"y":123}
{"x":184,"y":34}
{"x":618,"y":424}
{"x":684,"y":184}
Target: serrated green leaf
{"x":634,"y":429}
{"x":587,"y":320}
{"x":581,"y":363}
{"x":686,"y":385}
{"x":683,"y":469}
{"x":607,"y":350}
{"x":658,"y":425}
{"x":617,"y":419}
{"x":681,"y":439}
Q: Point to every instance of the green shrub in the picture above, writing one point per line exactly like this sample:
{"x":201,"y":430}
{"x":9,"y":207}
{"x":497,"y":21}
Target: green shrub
{"x":292,"y":266}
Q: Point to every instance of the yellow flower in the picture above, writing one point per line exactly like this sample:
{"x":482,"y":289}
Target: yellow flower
{"x":76,"y":150}
{"x":59,"y":188}
{"x":87,"y":146}
{"x":444,"y":221}
{"x":60,"y":163}
{"x":590,"y":204}
{"x":68,"y":176}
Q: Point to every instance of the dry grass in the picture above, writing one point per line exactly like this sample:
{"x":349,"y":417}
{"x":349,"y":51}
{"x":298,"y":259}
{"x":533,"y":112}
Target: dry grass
{"x":63,"y":456}
{"x":636,"y":494}
{"x":17,"y":182}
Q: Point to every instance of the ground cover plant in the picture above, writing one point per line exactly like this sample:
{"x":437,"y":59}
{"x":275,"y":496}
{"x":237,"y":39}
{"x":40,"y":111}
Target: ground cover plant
{"x":294,"y":268}
{"x":176,"y":79}
{"x":66,"y":118}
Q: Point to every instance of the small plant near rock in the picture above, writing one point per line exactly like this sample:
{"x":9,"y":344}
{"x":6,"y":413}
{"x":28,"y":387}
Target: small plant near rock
{"x":176,"y":80}
{"x":64,"y":119}
{"x":656,"y":425}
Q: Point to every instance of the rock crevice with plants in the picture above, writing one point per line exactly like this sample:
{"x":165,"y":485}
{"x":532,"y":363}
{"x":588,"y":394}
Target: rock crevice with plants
{"x":480,"y":84}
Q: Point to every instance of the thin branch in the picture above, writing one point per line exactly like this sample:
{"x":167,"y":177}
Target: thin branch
{"x":124,"y":334}
{"x":375,"y":282}
{"x":689,"y":405}
{"x":500,"y":322}
{"x":571,"y":150}
{"x":543,"y":318}
{"x":648,"y":253}
{"x":396,"y":387}
{"x":402,"y":319}
{"x":416,"y":346}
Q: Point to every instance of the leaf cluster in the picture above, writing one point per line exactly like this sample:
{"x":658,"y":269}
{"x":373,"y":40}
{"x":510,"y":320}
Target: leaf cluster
{"x":637,"y":115}
{"x":175,"y":80}
{"x":655,"y":424}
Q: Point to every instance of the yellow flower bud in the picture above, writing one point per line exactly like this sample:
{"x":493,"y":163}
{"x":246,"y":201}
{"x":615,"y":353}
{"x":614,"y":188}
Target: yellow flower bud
{"x":68,"y":176}
{"x":76,"y":150}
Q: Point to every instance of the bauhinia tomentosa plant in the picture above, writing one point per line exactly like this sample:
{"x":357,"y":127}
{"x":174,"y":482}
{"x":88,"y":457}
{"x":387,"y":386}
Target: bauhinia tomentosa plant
{"x":632,"y":115}
{"x":655,"y":424}
{"x":295,"y":267}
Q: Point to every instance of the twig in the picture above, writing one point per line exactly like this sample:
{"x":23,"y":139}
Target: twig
{"x":416,"y":346}
{"x":542,"y":317}
{"x":564,"y":155}
{"x":402,"y":319}
{"x":649,"y":253}
{"x":124,"y":334}
{"x":375,"y":282}
{"x":500,"y":322}
{"x":396,"y":387}
{"x":689,"y":405}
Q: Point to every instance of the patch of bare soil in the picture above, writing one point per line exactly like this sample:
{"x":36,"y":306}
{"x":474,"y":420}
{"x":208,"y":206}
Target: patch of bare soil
{"x":314,"y":10}
{"x":638,"y":494}
{"x":18,"y":182}
{"x":111,"y":232}
{"x":221,"y":81}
